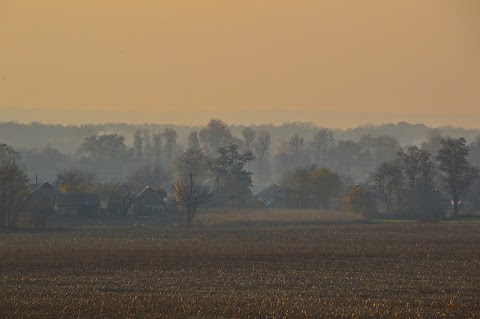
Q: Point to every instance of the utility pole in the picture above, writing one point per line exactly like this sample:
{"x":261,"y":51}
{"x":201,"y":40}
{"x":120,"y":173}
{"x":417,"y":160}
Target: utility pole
{"x":191,"y":181}
{"x":216,"y":186}
{"x":191,"y":184}
{"x":36,"y":181}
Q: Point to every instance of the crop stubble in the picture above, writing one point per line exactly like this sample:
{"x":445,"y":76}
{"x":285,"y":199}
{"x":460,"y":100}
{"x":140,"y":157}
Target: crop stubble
{"x":404,"y":270}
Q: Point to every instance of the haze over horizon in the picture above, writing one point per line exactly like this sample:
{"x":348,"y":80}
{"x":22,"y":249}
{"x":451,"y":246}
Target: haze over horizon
{"x":333,"y":120}
{"x":335,"y":63}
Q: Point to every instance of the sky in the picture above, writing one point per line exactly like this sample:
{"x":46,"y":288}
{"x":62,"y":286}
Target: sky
{"x":337,"y":63}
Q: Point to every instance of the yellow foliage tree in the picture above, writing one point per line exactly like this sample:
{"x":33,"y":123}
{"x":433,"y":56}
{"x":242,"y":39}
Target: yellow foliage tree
{"x":359,"y":201}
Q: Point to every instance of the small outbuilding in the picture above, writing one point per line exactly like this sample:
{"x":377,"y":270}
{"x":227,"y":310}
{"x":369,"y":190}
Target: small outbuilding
{"x":77,"y":204}
{"x":272,"y":195}
{"x":149,"y":201}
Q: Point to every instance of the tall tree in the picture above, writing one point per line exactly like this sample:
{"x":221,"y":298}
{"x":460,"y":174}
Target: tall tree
{"x":193,"y":161}
{"x":419,"y":195}
{"x":387,"y":180}
{"x":193,"y":141}
{"x":414,"y":161}
{"x":138,"y":145}
{"x":170,"y":136}
{"x":312,"y":187}
{"x":433,"y":143}
{"x":262,"y":145}
{"x":297,"y":144}
{"x":386,"y":148}
{"x":147,"y":145}
{"x":379,"y":149}
{"x":457,"y":174}
{"x":215,"y":135}
{"x":107,"y":147}
{"x":13,"y":185}
{"x":248,"y":135}
{"x":229,"y":166}
{"x":321,"y":143}
{"x":157,"y":149}
{"x":346,"y":154}
{"x":298,"y":185}
{"x":327,"y":186}
{"x":474,"y":155}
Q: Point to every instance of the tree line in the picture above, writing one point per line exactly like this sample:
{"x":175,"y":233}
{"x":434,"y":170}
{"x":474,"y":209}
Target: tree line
{"x":418,"y":184}
{"x":315,"y":171}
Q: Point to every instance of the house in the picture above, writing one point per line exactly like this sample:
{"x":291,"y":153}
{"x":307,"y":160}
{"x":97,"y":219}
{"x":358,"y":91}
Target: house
{"x":43,"y":198}
{"x":77,"y":204}
{"x":149,"y":201}
{"x":45,"y":190}
{"x":272,"y":195}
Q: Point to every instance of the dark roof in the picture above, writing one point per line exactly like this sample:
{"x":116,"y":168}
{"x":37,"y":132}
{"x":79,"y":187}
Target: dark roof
{"x":78,"y":199}
{"x":47,"y":186}
{"x":150,"y":197}
{"x":269,"y":192}
{"x":44,"y":190}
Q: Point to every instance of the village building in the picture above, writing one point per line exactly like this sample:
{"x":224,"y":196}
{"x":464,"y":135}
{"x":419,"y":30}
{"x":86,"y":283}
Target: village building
{"x":77,"y":204}
{"x":149,"y":202}
{"x":272,"y":196}
{"x":43,"y":199}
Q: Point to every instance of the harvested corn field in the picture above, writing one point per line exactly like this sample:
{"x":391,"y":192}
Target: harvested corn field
{"x":321,"y":271}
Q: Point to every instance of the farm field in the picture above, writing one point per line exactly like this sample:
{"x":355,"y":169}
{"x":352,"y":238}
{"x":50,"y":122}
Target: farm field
{"x":319,"y":271}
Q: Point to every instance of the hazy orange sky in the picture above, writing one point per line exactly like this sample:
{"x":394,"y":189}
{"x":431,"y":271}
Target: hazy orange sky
{"x":335,"y":62}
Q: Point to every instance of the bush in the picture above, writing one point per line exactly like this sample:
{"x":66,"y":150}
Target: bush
{"x":360,"y":201}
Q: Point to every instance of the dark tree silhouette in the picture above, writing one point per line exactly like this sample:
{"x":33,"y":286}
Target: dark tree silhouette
{"x":191,"y":197}
{"x":13,"y":185}
{"x":457,"y":174}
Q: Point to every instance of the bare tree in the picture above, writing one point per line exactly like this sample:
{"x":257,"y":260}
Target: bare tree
{"x":262,"y":145}
{"x":297,"y":144}
{"x":414,"y":161}
{"x":386,"y":180}
{"x":170,"y":137}
{"x":193,"y":141}
{"x":248,"y":137}
{"x":379,"y":149}
{"x":138,"y":145}
{"x":320,"y":144}
{"x":385,"y":148}
{"x":147,"y":145}
{"x":347,"y":154}
{"x":457,"y":174}
{"x":157,"y":149}
{"x":191,"y":197}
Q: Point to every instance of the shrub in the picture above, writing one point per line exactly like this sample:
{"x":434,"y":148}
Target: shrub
{"x":360,"y":201}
